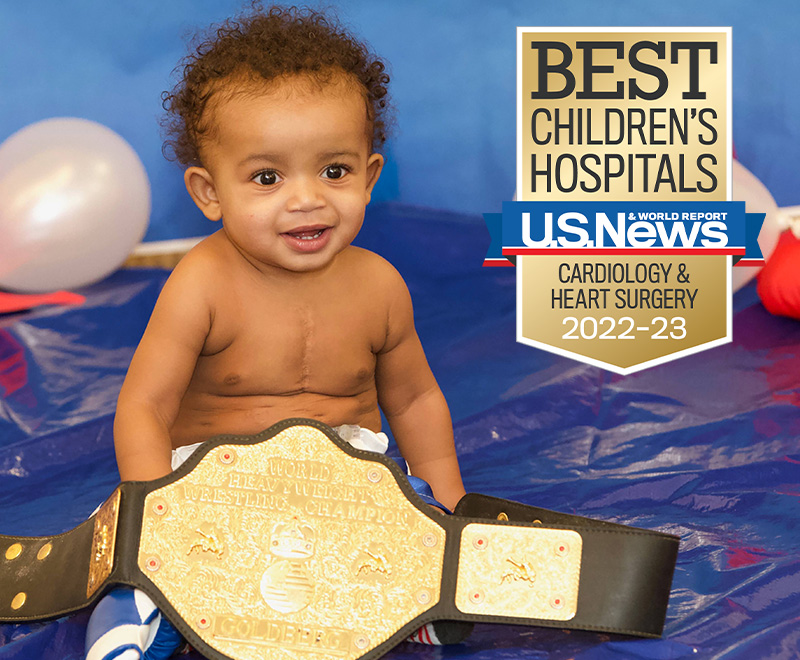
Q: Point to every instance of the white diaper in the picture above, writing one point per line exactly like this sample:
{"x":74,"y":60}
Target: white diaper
{"x":358,"y":437}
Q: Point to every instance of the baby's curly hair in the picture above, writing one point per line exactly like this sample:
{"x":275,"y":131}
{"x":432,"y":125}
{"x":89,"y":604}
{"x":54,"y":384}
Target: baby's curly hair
{"x":264,"y":45}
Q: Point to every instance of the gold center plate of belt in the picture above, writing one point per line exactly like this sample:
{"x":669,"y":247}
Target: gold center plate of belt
{"x":526,"y":572}
{"x":290,"y":547}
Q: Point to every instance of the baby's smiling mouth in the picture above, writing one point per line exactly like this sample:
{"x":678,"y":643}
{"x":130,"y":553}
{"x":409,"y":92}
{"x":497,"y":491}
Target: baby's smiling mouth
{"x":307,"y":233}
{"x":308,"y":239}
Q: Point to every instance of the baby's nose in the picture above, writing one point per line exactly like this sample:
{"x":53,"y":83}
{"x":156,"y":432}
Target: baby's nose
{"x":305,"y":194}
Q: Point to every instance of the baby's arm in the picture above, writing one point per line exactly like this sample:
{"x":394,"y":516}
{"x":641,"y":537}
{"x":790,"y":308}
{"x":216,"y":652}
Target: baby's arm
{"x":160,"y":372}
{"x":413,"y":403}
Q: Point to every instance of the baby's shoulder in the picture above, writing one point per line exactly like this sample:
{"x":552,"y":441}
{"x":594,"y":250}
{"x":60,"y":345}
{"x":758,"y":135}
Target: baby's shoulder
{"x":198,"y":274}
{"x":208,"y":253}
{"x":371,"y":268}
{"x":205,"y":262}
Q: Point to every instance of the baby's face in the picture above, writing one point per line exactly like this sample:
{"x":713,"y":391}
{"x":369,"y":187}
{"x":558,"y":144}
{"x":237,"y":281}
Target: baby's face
{"x":289,"y":172}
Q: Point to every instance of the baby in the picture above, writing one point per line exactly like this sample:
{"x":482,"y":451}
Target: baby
{"x":276,"y":315}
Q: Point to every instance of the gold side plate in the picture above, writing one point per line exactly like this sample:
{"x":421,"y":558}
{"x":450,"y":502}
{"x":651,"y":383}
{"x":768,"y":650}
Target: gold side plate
{"x":103,"y":543}
{"x":289,"y":547}
{"x":527,"y":572}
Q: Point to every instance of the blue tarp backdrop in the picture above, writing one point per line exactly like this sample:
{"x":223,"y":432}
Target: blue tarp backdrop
{"x":704,"y":447}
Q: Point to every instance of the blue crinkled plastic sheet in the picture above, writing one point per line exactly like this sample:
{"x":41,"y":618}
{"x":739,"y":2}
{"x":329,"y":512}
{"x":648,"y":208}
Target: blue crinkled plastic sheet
{"x":704,"y":447}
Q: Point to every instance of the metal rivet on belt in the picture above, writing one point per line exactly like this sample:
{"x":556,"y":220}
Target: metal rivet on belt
{"x":476,"y":596}
{"x":19,"y":600}
{"x":429,"y":540}
{"x":159,"y":507}
{"x":423,"y":597}
{"x":556,"y":602}
{"x":480,"y":542}
{"x":362,"y":641}
{"x":374,"y":475}
{"x":502,"y":516}
{"x":44,"y":551}
{"x":152,"y":564}
{"x":14,"y":551}
{"x":226,"y":456}
{"x":537,"y":522}
{"x":203,"y":622}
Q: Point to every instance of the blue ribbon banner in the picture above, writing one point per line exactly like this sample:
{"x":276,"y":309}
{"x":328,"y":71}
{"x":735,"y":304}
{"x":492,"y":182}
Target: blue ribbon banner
{"x":584,"y":228}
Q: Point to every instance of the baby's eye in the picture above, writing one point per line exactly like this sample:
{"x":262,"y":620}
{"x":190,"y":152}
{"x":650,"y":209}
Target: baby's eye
{"x":267,"y":178}
{"x":335,"y":171}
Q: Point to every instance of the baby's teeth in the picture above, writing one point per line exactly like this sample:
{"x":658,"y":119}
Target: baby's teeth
{"x":309,"y":238}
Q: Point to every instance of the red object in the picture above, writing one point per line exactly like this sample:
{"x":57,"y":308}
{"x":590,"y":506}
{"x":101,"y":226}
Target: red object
{"x":13,"y":366}
{"x":17,"y":302}
{"x":779,"y":280}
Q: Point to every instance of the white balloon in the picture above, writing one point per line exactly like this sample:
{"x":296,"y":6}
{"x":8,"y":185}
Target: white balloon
{"x":74,"y":201}
{"x":748,"y":189}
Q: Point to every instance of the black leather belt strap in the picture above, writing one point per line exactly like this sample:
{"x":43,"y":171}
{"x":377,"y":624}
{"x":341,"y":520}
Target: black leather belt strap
{"x":626,"y":572}
{"x":291,"y":539}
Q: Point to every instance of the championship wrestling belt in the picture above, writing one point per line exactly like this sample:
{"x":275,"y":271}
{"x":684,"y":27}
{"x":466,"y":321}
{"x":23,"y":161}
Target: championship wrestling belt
{"x":293,"y":544}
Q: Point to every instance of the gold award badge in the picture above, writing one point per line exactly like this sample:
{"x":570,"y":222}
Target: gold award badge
{"x":623,"y":234}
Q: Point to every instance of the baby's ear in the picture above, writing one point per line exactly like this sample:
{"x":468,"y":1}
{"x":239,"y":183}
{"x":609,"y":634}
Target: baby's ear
{"x":374,"y":167}
{"x":200,"y":185}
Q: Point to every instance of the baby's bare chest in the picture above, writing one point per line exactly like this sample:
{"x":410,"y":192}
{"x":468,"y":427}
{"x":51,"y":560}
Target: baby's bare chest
{"x":280,"y":347}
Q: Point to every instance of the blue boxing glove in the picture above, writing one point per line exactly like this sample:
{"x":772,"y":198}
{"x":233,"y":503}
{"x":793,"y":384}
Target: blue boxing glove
{"x":126,"y":625}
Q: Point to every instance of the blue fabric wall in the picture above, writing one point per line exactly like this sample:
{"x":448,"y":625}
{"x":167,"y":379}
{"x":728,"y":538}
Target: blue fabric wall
{"x":453,"y":72}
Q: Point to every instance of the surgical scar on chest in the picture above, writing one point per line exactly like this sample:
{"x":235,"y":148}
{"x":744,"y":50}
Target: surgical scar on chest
{"x":307,"y":326}
{"x":289,"y":362}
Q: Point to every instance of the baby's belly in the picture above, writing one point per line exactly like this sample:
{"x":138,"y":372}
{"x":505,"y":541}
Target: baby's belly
{"x":202,"y":416}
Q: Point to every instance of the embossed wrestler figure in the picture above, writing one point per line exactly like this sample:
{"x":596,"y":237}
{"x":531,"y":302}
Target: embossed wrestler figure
{"x":278,"y":119}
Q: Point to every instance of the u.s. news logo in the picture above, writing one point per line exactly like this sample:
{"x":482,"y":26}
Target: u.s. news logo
{"x":583,"y":228}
